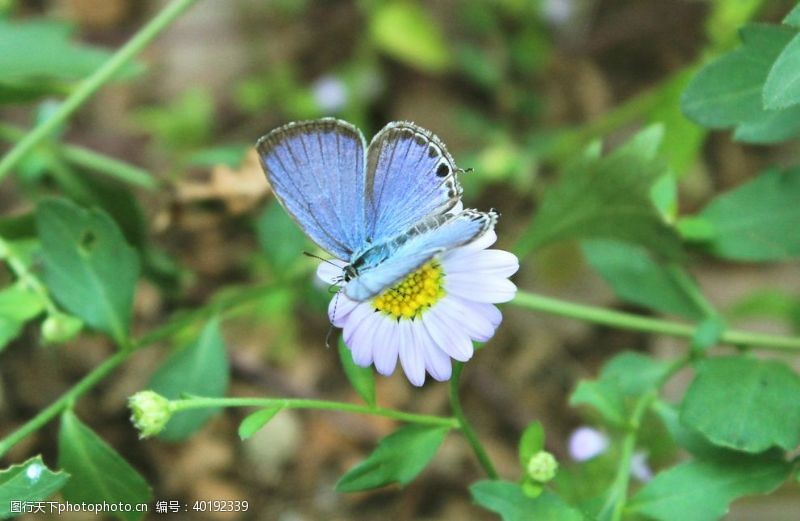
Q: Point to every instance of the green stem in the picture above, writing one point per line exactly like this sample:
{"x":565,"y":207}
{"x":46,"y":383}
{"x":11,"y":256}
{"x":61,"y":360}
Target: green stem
{"x":94,"y":82}
{"x":633,"y":322}
{"x":466,"y":428}
{"x":619,"y":488}
{"x":199,"y":402}
{"x":100,"y":372}
{"x":91,"y":160}
{"x":55,"y":408}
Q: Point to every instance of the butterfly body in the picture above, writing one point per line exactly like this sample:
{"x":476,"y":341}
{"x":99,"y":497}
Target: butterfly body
{"x":384,"y":209}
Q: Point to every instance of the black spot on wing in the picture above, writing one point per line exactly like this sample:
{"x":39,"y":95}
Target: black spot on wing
{"x":443,"y":170}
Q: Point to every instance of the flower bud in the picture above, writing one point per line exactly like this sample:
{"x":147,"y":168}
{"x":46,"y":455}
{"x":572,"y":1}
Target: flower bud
{"x":60,"y":327}
{"x":150,"y":412}
{"x":542,"y":467}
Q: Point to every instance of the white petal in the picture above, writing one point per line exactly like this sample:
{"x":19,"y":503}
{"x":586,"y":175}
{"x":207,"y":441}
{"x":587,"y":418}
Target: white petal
{"x":385,"y":344}
{"x":458,"y":208}
{"x":331,"y":271}
{"x":339,"y":308}
{"x":470,"y":316}
{"x":451,"y":339}
{"x":436,"y":361}
{"x":496,"y":263}
{"x":483,"y":242}
{"x":352,"y":322}
{"x":411,"y":356}
{"x":480,"y":289}
{"x":361,"y":340}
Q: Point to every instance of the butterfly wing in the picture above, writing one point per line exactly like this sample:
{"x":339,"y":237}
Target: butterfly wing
{"x":408,"y":252}
{"x":410,"y":176}
{"x":317,"y":172}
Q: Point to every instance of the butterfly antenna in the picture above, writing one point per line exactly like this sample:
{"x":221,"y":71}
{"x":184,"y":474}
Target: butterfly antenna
{"x":466,"y":170}
{"x":314,"y":256}
{"x":333,"y":319}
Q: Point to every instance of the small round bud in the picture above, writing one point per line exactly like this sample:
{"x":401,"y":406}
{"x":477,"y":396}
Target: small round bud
{"x":542,"y":467}
{"x":150,"y":412}
{"x":60,"y":327}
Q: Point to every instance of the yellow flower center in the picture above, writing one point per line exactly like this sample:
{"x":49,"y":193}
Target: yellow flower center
{"x":414,"y":294}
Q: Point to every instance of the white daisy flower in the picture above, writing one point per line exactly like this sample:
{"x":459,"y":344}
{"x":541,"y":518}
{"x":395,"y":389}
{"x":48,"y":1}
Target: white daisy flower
{"x":429,"y":317}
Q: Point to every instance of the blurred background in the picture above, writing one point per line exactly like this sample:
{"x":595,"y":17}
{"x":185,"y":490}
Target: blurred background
{"x":515,"y":88}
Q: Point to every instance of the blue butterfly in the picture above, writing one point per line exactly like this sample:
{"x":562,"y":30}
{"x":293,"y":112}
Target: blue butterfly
{"x":386,"y":209}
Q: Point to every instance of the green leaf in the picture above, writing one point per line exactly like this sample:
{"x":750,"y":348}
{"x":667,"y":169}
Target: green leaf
{"x":98,"y":473}
{"x":626,"y":375}
{"x":702,"y":490}
{"x":727,"y":91}
{"x":255,"y":421}
{"x":707,"y":334}
{"x":88,"y":266}
{"x":38,"y":58}
{"x":508,"y":500}
{"x":744,"y":404}
{"x":398,"y":458}
{"x":770,"y":127}
{"x":604,"y":396}
{"x":607,"y":198}
{"x":29,"y":481}
{"x":638,"y":278}
{"x":793,"y":18}
{"x":405,"y":31}
{"x":757,"y":221}
{"x":782,"y":88}
{"x":18,"y":304}
{"x":200,"y":368}
{"x":531,"y":442}
{"x":361,"y":378}
{"x":635,"y":373}
{"x":280,"y":238}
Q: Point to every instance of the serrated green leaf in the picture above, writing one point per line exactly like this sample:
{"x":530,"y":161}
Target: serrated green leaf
{"x":703,"y":490}
{"x":88,"y":266}
{"x":744,"y":404}
{"x":98,"y":472}
{"x":510,"y":502}
{"x":398,"y":458}
{"x":18,"y":304}
{"x":758,"y":220}
{"x":29,"y":481}
{"x":201,"y":368}
{"x":640,"y":279}
{"x":256,"y":421}
{"x":361,"y":378}
{"x":782,"y":87}
{"x":405,"y":31}
{"x":607,"y":198}
{"x":531,"y":442}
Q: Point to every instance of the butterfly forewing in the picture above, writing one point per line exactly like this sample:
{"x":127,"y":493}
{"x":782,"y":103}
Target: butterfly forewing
{"x":410,"y":176}
{"x":317,"y":172}
{"x":409,"y":251}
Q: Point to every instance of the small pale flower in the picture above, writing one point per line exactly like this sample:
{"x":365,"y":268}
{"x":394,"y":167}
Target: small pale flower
{"x":431,"y":316}
{"x":585,"y":443}
{"x":542,"y":467}
{"x":150,"y":412}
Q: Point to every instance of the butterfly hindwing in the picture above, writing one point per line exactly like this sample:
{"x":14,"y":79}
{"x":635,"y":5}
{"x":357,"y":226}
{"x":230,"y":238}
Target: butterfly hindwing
{"x":421,"y":243}
{"x":317,"y":172}
{"x":410,"y":176}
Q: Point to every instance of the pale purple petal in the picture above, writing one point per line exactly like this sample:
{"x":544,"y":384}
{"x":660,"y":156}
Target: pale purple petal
{"x":331,"y":271}
{"x":586,"y":443}
{"x":436,"y":361}
{"x":361,"y":337}
{"x":480,"y":289}
{"x":411,"y":356}
{"x":340,"y":307}
{"x":470,"y":316}
{"x":496,"y":263}
{"x":639,"y":467}
{"x":385,"y":344}
{"x":450,"y":338}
